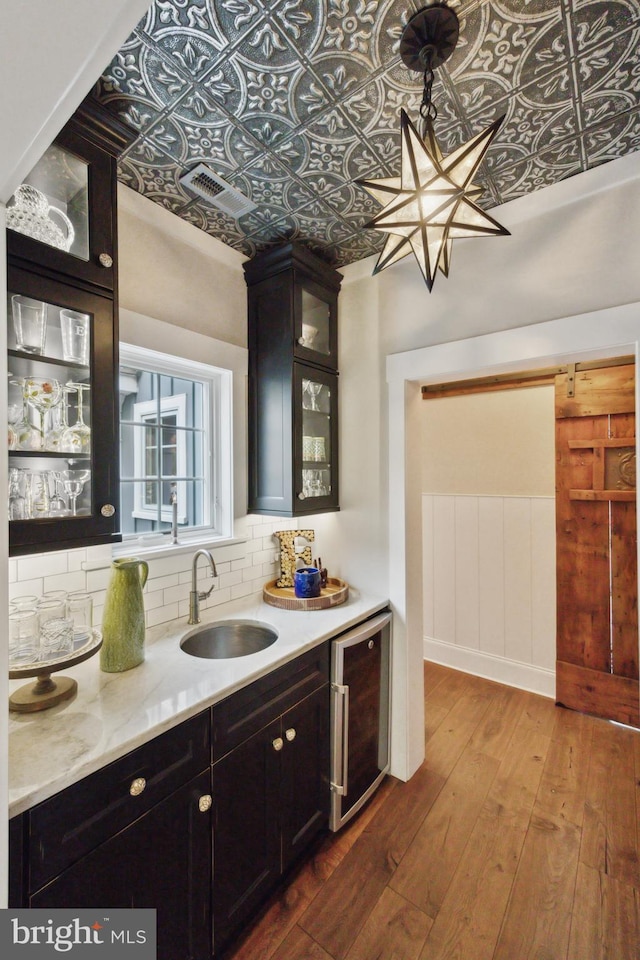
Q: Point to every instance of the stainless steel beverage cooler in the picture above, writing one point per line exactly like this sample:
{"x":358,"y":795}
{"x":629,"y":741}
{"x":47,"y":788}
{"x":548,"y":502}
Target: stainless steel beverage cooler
{"x":360,"y":702}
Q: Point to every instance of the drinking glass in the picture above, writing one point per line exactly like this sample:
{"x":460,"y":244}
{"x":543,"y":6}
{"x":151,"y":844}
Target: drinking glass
{"x":38,"y":495}
{"x":24,"y":637}
{"x":80,"y":611}
{"x":29,"y":323}
{"x":17,"y":500}
{"x":25,"y":602}
{"x":74,"y":327}
{"x":77,"y":438}
{"x":56,"y":638}
{"x":42,"y":394}
{"x":73,"y":482}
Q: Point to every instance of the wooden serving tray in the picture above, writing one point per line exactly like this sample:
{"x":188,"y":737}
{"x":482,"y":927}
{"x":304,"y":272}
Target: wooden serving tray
{"x":335,"y":592}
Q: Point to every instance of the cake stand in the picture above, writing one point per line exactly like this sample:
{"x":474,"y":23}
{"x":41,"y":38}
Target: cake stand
{"x":47,"y":692}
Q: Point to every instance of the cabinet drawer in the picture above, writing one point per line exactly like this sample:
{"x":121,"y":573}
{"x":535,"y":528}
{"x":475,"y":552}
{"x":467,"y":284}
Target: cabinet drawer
{"x":70,"y":824}
{"x":239,"y":716}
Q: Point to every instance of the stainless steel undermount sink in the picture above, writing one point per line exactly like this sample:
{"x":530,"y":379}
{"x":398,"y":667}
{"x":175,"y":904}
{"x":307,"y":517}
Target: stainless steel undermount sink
{"x":226,"y":639}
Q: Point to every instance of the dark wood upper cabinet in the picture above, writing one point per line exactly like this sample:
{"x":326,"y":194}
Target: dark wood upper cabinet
{"x":62,"y":219}
{"x":293,"y":382}
{"x":62,"y":283}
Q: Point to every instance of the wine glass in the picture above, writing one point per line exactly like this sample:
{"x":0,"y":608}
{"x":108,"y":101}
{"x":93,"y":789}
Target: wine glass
{"x":57,"y":503}
{"x":42,"y":394}
{"x":73,"y":482}
{"x":55,"y":437}
{"x":24,"y":435}
{"x":314,"y":389}
{"x":77,"y":438}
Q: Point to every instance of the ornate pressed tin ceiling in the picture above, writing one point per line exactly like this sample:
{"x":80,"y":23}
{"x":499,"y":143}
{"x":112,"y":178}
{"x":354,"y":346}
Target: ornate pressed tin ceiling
{"x":291,"y":101}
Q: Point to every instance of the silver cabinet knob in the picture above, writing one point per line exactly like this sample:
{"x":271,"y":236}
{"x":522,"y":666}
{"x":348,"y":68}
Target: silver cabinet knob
{"x":106,"y":260}
{"x":302,"y":496}
{"x":290,"y":734}
{"x":277,"y":744}
{"x":107,"y":510}
{"x":137,"y":786}
{"x":371,"y":644}
{"x":205,"y":802}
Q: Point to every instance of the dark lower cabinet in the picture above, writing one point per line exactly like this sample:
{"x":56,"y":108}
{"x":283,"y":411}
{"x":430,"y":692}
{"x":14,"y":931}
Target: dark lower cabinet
{"x":162,"y":827}
{"x":271,"y":799}
{"x":161,"y":861}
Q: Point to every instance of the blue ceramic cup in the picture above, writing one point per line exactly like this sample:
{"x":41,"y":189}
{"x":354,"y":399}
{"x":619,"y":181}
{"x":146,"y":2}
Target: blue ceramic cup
{"x":306,"y":582}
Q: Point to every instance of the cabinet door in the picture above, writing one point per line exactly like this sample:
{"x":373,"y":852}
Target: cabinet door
{"x":63,"y":483}
{"x":246,"y":831}
{"x":161,"y":861}
{"x":315,"y":465}
{"x":316,"y":323}
{"x":305,"y":790}
{"x":62,"y":217}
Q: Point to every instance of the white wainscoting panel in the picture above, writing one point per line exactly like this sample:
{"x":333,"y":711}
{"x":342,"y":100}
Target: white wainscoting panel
{"x":489,"y":586}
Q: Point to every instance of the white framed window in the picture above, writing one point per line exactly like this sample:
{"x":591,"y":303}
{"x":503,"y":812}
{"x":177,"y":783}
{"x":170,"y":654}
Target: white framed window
{"x":175,"y":442}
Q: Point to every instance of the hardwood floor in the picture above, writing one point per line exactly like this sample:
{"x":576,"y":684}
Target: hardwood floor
{"x":517,"y":839}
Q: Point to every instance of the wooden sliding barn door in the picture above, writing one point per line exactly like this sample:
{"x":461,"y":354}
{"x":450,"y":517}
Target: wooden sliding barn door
{"x":597,"y":639}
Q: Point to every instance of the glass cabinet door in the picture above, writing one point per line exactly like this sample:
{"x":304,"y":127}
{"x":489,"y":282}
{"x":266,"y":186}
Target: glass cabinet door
{"x":315,"y":326}
{"x":56,"y":430}
{"x":316,"y":439}
{"x":59,"y":216}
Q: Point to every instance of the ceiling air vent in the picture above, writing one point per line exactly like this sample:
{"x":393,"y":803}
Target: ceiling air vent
{"x":212,"y":188}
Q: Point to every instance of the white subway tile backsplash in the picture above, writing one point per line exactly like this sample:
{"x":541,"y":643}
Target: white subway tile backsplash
{"x":242,"y":567}
{"x":242,"y":590}
{"x":65,"y":581}
{"x":154,"y":599}
{"x":97,"y":579}
{"x":162,"y":614}
{"x":41,"y":565}
{"x":229,"y":579}
{"x":31,"y":588}
{"x":162,"y":583}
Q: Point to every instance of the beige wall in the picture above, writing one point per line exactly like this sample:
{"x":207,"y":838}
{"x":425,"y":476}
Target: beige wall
{"x":172,"y":271}
{"x":498,"y":443}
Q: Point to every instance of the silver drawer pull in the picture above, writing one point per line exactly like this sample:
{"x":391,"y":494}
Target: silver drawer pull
{"x":137,"y":786}
{"x":277,"y":744}
{"x":290,"y":734}
{"x":205,"y":802}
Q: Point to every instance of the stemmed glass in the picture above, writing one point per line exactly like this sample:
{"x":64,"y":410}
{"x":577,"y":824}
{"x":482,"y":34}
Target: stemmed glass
{"x":24,"y":436}
{"x":42,"y":394}
{"x":55,"y":437}
{"x":313,"y":389}
{"x":73,"y":482}
{"x":77,"y":438}
{"x":57,"y":503}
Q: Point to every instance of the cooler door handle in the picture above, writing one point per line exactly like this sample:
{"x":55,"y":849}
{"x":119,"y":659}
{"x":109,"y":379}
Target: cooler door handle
{"x":341,"y":736}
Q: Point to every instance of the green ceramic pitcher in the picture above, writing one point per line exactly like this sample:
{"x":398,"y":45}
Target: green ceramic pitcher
{"x":123,"y":617}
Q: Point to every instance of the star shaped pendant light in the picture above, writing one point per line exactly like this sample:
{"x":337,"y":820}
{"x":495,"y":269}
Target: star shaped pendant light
{"x":433,"y":201}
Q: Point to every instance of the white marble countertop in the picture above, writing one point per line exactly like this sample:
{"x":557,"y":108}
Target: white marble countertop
{"x":113,"y":713}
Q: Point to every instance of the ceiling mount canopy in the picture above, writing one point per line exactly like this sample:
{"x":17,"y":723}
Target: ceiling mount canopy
{"x":429,"y":38}
{"x":433,"y":201}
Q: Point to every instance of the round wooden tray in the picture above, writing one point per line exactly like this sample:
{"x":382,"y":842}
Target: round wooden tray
{"x":335,"y":592}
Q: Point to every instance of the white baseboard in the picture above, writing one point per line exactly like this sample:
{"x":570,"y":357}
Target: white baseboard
{"x":525,"y":676}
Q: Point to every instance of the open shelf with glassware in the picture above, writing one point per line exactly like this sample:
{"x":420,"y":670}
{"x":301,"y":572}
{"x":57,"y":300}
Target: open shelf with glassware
{"x":61,"y":426}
